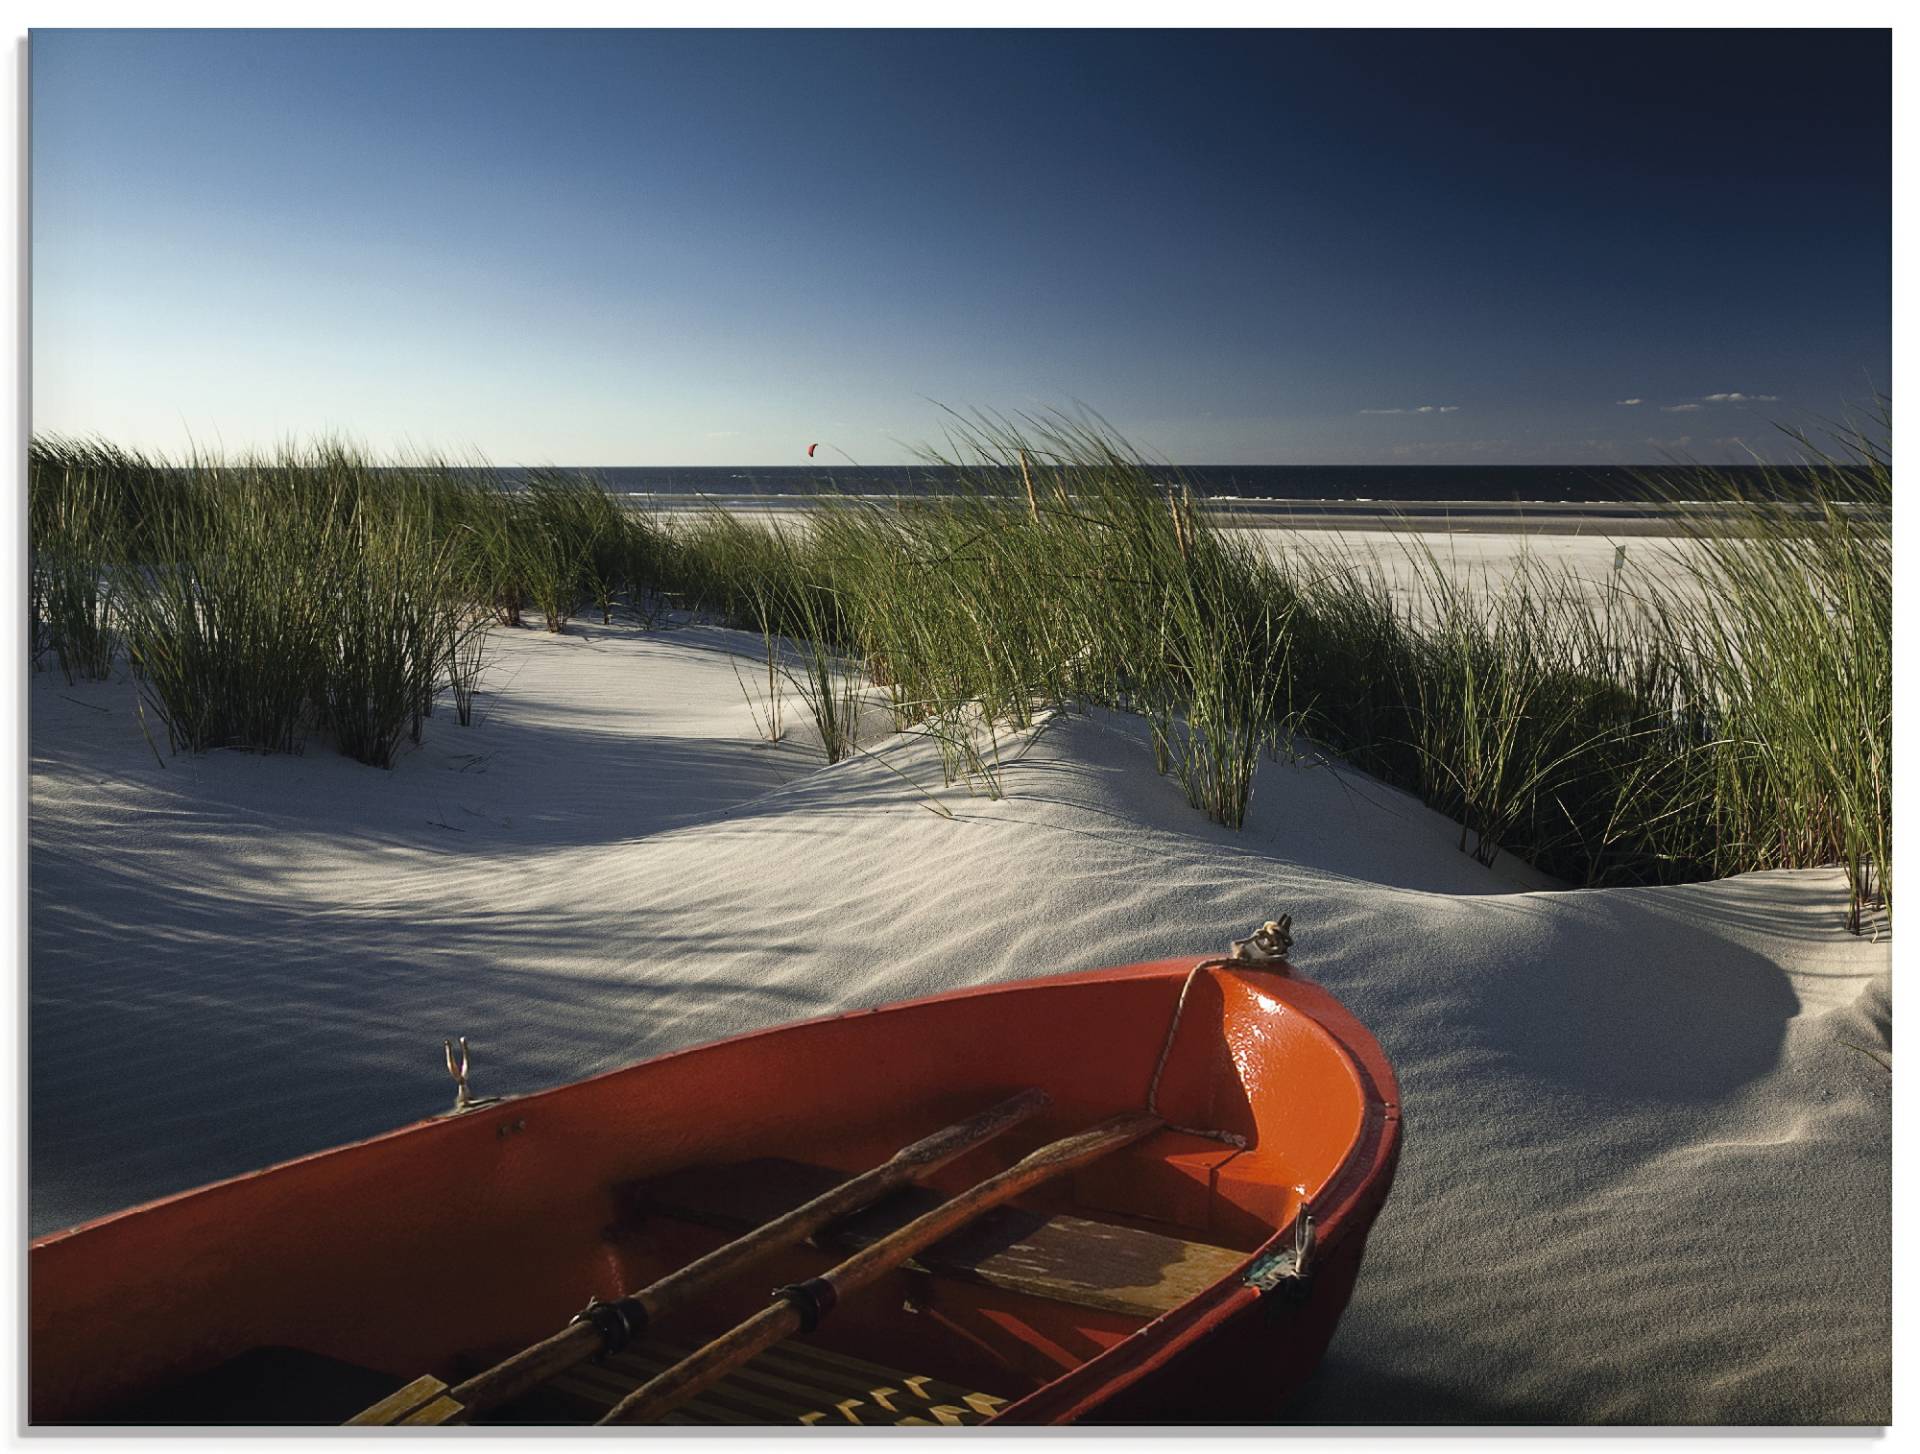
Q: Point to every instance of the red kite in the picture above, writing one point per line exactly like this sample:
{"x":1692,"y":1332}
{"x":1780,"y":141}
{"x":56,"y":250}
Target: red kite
{"x":810,"y":449}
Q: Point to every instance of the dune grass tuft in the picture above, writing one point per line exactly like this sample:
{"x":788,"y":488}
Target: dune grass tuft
{"x":1796,"y":666}
{"x":75,"y":530}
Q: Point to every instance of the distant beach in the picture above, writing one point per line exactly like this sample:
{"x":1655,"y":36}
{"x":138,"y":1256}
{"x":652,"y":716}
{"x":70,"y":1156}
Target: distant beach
{"x":1451,"y":517}
{"x":1610,"y":489}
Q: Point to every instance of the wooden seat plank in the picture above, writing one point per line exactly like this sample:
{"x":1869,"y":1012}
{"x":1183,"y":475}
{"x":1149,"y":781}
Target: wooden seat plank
{"x":402,"y":1401}
{"x":1063,"y":1258}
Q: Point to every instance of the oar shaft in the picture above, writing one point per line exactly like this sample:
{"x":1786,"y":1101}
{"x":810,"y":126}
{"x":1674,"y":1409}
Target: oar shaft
{"x":699,"y":1371}
{"x":662,"y":1394}
{"x":580,"y":1341}
{"x":912,"y":1164}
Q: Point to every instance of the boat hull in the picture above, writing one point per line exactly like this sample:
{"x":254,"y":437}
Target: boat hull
{"x":466,"y":1237}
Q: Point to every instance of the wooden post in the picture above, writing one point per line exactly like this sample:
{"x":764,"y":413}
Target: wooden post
{"x":802,"y":1307}
{"x":639,"y":1311}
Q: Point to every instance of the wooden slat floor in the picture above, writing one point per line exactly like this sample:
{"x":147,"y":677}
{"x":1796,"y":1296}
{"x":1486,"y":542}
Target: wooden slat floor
{"x":794,"y":1383}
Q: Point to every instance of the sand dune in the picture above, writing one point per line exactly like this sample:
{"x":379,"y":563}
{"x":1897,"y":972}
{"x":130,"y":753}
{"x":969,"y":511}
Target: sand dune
{"x":1647,"y":1164}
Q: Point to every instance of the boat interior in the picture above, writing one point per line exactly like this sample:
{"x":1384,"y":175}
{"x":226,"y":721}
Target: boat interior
{"x":311,"y":1292}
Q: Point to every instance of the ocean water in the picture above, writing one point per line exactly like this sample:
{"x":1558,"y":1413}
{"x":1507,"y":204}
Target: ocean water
{"x":1579,"y":484}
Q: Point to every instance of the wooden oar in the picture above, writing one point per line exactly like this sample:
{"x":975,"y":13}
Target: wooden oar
{"x":801,"y":1307}
{"x":609,"y":1326}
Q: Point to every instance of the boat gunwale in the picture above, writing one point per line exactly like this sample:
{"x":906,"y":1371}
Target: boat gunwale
{"x":509,"y":1105}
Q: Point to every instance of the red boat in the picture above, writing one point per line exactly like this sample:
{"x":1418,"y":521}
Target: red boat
{"x":1190,"y":1269}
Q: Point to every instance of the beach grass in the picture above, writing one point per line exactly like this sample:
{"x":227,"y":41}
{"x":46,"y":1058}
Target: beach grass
{"x":1655,"y":732}
{"x":75,"y":528}
{"x":1724,"y":710}
{"x":1795,"y":663}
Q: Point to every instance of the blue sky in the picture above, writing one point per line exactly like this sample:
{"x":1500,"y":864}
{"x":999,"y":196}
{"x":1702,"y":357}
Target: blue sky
{"x":647,"y":247}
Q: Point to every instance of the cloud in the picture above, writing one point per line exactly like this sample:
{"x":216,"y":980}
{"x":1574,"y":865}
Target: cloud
{"x":1705,"y":399}
{"x":1418,"y":409}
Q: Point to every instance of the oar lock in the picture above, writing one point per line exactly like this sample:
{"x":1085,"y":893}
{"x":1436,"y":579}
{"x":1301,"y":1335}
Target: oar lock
{"x":618,"y":1323}
{"x":463,"y":1097}
{"x":1289,"y":1270}
{"x":812,"y":1300}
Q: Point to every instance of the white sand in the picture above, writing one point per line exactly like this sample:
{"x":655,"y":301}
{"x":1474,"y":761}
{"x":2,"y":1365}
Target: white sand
{"x":1647,"y":1164}
{"x":1628,"y":566}
{"x":1489,"y":558}
{"x":1626,"y":573}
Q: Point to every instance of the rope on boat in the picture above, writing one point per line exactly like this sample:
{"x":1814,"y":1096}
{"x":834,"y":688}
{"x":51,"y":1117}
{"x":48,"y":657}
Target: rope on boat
{"x":1269,"y":942}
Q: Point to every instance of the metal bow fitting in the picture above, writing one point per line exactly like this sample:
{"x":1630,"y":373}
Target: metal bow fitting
{"x":1271,"y":940}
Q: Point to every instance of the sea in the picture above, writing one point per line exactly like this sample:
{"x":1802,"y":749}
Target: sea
{"x":1385,"y":484}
